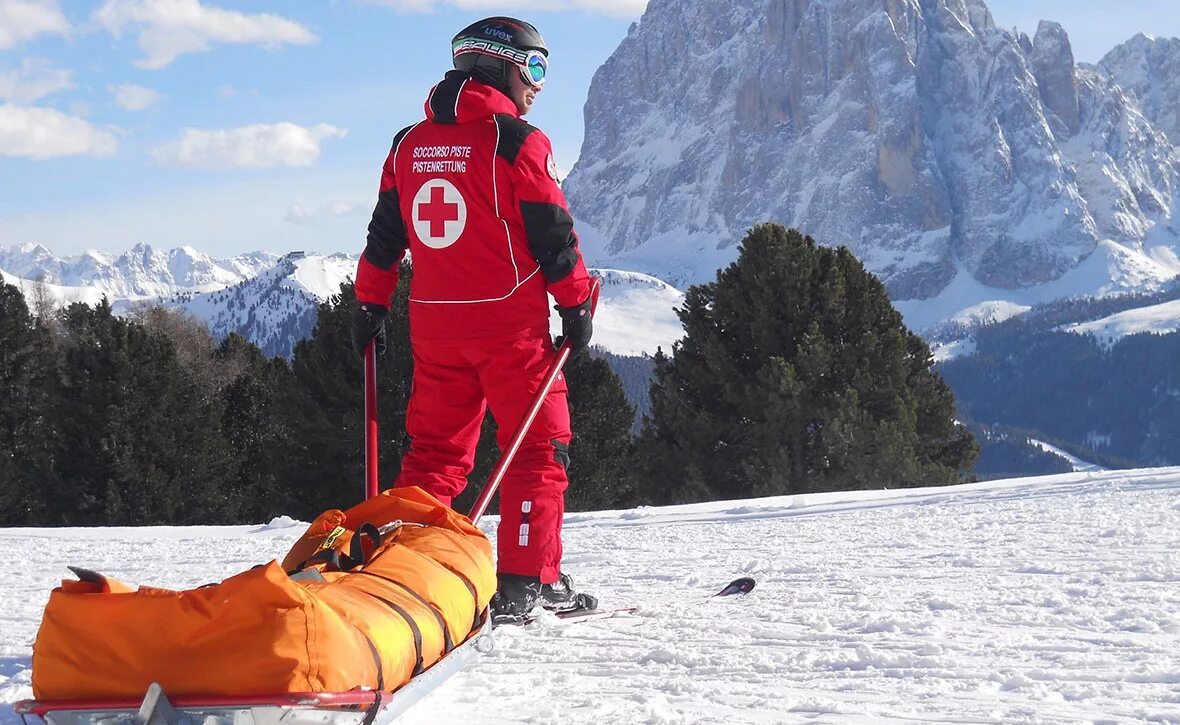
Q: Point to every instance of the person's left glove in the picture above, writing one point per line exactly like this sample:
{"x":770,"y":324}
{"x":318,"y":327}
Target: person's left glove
{"x":577,"y":326}
{"x":368,"y":323}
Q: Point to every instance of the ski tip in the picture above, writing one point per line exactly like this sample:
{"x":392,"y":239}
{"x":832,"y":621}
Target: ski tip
{"x":737,"y":586}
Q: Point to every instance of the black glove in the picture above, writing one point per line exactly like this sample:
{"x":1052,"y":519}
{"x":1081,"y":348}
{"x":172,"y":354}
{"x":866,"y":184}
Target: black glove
{"x":576,"y":326}
{"x":368,"y":323}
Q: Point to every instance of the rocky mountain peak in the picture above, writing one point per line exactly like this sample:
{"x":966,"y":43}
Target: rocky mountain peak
{"x":915,"y":132}
{"x":1053,"y":66}
{"x":1150,"y":68}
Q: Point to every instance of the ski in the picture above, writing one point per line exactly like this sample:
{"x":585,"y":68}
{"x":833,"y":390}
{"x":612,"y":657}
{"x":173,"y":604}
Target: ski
{"x":567,"y":615}
{"x":739,"y":586}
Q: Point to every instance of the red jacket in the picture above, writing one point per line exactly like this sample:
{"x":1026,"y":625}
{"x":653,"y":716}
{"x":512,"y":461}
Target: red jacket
{"x":471,"y":192}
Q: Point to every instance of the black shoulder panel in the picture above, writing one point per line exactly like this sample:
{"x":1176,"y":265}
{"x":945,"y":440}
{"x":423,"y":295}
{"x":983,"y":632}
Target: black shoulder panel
{"x":446,"y":96}
{"x":400,"y":135}
{"x":513,"y":132}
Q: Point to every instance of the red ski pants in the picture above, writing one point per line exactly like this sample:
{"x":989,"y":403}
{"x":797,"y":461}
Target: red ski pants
{"x":454,"y":383}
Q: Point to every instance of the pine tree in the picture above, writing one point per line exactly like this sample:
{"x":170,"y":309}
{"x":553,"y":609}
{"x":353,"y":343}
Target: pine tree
{"x":28,"y":361}
{"x":796,"y":374}
{"x":140,"y":443}
{"x":258,"y":436}
{"x":601,"y":450}
{"x":326,"y":406}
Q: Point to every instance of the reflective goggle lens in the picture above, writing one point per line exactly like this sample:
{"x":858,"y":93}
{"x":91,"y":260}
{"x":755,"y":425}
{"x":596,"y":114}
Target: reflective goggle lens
{"x":535,"y":68}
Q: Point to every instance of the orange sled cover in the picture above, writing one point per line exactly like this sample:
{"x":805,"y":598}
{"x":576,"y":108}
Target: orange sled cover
{"x":372,"y":619}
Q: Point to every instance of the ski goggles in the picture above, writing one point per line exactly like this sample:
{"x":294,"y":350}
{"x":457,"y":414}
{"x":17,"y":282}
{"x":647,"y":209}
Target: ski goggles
{"x":536,"y":65}
{"x":533,"y":64}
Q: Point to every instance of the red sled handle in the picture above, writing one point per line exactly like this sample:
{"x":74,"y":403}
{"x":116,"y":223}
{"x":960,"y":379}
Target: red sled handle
{"x":362,"y":698}
{"x":371,"y":420}
{"x":485,"y":496}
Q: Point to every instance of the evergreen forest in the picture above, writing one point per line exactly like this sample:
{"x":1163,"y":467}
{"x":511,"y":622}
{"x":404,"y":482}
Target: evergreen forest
{"x":795,"y":375}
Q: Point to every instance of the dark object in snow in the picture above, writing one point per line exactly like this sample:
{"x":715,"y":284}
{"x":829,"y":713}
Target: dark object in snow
{"x":737,"y":586}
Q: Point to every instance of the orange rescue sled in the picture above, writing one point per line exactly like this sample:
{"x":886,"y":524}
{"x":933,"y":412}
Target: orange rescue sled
{"x":366,"y":601}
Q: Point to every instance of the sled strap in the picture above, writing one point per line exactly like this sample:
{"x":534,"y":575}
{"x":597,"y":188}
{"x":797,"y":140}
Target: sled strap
{"x":376,"y":660}
{"x":356,"y":551}
{"x":448,"y":642}
{"x":413,"y":629}
{"x":479,"y":616}
{"x":371,"y":713}
{"x":356,"y":545}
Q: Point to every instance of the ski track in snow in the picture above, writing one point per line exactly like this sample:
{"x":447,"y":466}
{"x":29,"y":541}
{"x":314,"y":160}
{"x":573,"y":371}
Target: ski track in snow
{"x":1042,"y":600}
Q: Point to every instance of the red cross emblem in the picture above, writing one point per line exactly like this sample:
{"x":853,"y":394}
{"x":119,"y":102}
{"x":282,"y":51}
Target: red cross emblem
{"x":439,"y":213}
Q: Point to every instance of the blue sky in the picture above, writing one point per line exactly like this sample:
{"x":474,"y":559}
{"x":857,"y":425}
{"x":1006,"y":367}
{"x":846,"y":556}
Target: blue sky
{"x":234,"y":126}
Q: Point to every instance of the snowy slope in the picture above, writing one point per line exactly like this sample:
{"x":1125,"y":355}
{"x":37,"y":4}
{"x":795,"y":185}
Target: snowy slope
{"x":1112,"y":269}
{"x":276,"y":308}
{"x":635,"y":314}
{"x":1046,"y":600}
{"x":57,"y":295}
{"x":1077,"y":463}
{"x":1157,"y":319}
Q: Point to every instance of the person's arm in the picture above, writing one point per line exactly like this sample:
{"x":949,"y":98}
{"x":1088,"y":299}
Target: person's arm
{"x":377,"y":272}
{"x":548,"y":225}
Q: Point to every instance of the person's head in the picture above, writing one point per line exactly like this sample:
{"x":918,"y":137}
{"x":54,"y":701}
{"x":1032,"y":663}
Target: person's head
{"x":505,"y":53}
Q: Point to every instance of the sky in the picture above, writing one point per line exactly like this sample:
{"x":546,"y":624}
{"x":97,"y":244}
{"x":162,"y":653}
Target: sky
{"x":233,"y":126}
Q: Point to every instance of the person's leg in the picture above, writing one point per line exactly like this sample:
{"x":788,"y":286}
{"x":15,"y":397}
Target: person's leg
{"x":443,"y":420}
{"x":532,"y":494}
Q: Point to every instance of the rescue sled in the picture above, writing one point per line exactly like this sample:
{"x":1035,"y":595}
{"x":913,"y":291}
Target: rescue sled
{"x":353,"y":707}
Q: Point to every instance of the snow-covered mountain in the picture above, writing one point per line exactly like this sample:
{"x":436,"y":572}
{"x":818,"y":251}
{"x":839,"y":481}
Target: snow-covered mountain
{"x":945,"y":152}
{"x":141,"y":272}
{"x":276,"y":308}
{"x":55,"y":296}
{"x":1161,"y":319}
{"x":1046,"y":599}
{"x":271,"y":300}
{"x":635,"y":314}
{"x":1150,"y":68}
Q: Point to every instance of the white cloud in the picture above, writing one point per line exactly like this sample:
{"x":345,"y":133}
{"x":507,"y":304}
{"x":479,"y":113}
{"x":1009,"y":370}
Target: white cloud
{"x":311,"y":213}
{"x":132,"y":97}
{"x":22,"y":20}
{"x":260,"y":146}
{"x":170,"y":28}
{"x":42,"y":133}
{"x":618,"y":8}
{"x":33,"y":80}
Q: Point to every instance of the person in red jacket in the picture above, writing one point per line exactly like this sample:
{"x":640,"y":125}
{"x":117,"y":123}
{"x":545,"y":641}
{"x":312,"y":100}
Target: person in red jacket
{"x":471,"y":193}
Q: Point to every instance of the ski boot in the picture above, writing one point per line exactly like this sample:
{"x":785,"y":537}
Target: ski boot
{"x":561,"y":597}
{"x":517,"y":595}
{"x":515,"y":598}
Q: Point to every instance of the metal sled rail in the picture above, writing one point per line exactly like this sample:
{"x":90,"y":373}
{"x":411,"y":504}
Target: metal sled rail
{"x":355,"y":707}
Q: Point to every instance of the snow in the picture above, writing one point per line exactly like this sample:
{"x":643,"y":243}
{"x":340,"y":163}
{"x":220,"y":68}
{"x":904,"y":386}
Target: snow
{"x":1047,"y":600}
{"x":635,"y":316}
{"x":1110,"y":270}
{"x":1077,"y":463}
{"x":57,"y":295}
{"x":1160,"y":319}
{"x":322,"y":277}
{"x":944,"y":351}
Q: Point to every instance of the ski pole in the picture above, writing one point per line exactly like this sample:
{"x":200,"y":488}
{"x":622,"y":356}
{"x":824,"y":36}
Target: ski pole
{"x":371,"y":420}
{"x":485,"y":496}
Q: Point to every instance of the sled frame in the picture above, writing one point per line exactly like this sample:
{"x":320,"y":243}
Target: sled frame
{"x":354,"y":707}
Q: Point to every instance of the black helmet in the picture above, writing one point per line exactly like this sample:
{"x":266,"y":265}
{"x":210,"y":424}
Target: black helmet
{"x":489,"y":49}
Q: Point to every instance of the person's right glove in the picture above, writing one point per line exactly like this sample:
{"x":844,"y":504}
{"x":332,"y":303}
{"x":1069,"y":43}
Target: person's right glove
{"x":368,"y":323}
{"x":576,"y":326}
